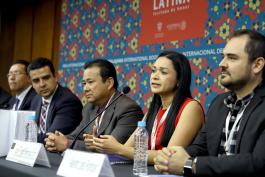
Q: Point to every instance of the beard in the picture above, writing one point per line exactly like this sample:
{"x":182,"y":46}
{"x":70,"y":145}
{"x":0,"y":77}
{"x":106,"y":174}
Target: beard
{"x":237,"y":84}
{"x":236,"y":81}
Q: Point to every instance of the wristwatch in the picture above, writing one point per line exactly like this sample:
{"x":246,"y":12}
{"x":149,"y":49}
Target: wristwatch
{"x":187,"y":170}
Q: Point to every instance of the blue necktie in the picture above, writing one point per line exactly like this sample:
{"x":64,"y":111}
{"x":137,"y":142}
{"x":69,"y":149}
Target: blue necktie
{"x":16,"y":104}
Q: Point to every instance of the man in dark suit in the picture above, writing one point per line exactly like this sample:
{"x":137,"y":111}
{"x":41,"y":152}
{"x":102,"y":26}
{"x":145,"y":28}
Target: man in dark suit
{"x":57,"y":107}
{"x":233,"y":139}
{"x":20,"y":84}
{"x":4,"y":99}
{"x":120,"y":119}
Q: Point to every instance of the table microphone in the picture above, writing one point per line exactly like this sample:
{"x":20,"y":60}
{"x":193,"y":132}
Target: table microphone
{"x":125,"y":90}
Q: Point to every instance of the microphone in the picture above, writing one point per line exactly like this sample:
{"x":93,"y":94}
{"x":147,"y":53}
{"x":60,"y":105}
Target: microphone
{"x":125,"y":90}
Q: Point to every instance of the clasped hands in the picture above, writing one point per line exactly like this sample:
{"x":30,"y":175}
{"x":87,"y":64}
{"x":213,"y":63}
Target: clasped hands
{"x":56,"y":142}
{"x":171,"y":160}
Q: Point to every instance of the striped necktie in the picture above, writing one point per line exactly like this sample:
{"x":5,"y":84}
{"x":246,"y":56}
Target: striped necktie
{"x":43,"y":115}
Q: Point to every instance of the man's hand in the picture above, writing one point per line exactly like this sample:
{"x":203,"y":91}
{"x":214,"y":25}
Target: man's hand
{"x":56,"y":142}
{"x":161,"y":161}
{"x":171,"y":160}
{"x":107,"y":144}
{"x":89,"y":139}
{"x":177,"y":160}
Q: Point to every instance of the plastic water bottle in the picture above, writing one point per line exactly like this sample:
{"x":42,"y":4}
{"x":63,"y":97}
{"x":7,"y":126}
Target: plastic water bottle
{"x":31,"y":129}
{"x":140,"y":150}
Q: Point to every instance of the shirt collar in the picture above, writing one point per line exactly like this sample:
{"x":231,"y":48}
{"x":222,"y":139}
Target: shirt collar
{"x":22,"y":95}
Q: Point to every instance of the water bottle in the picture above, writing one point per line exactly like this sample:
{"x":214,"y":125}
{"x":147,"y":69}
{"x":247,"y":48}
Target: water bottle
{"x":140,"y":150}
{"x":31,"y":129}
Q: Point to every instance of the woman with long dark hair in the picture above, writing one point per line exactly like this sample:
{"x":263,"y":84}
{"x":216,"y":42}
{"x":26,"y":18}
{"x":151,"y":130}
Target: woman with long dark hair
{"x":174,"y":118}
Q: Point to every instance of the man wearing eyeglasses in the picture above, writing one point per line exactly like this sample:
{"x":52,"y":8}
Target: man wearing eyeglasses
{"x":20,"y":85}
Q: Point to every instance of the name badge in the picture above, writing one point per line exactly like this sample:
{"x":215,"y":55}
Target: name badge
{"x":79,"y":164}
{"x":28,"y":153}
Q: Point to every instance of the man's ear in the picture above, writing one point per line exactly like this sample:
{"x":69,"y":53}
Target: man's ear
{"x":110,"y":82}
{"x":56,"y":76}
{"x":28,"y":79}
{"x":258,"y":65}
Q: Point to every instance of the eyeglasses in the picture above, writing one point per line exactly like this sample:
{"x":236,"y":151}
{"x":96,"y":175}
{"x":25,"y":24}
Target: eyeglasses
{"x":15,"y":73}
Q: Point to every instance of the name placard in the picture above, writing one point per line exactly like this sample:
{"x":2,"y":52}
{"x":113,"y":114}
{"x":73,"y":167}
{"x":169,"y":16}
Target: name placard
{"x":28,"y":153}
{"x":79,"y":164}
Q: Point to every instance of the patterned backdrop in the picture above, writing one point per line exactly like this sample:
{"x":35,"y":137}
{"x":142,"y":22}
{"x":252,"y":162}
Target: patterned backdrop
{"x":110,"y":29}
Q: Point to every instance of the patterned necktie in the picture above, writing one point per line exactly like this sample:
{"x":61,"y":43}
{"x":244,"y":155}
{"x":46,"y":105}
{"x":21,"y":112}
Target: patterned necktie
{"x":43,"y":114}
{"x":16,"y":104}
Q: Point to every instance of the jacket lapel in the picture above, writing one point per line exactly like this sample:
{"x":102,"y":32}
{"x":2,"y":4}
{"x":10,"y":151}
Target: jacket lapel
{"x":51,"y":111}
{"x":12,"y":102}
{"x":38,"y":109}
{"x":25,"y":99}
{"x":252,"y":105}
{"x":106,"y":118}
{"x":216,"y":138}
{"x":91,"y":115}
{"x":49,"y":115}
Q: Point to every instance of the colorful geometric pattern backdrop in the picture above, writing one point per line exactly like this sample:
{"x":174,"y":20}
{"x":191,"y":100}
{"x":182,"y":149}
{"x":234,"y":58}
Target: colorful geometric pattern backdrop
{"x":110,"y":29}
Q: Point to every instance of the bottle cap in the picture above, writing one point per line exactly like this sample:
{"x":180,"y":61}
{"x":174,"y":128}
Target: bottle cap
{"x":31,"y":117}
{"x":141,"y":124}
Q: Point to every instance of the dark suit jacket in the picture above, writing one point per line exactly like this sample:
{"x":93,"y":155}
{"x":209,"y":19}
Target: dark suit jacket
{"x":26,"y":103}
{"x":250,"y":157}
{"x":64,"y":114}
{"x":4,"y":99}
{"x":119,"y":120}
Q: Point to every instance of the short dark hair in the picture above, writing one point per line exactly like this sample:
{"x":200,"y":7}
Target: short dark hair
{"x":107,"y":69}
{"x":255,"y":46}
{"x":40,"y":63}
{"x":182,"y":67}
{"x":22,"y":62}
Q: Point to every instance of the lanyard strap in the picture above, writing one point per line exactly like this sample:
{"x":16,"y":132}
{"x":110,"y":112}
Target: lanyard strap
{"x":156,"y":127}
{"x":236,"y":124}
{"x":99,"y":118}
{"x":235,"y":127}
